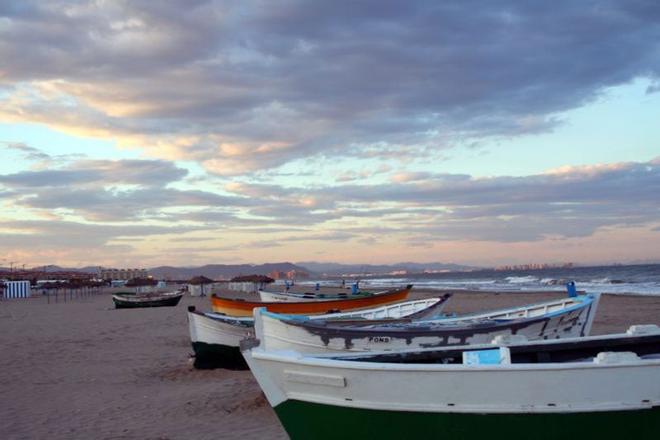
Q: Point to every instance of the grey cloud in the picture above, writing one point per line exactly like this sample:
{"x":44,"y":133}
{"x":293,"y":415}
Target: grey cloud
{"x":339,"y":236}
{"x":571,"y":203}
{"x":66,"y":235}
{"x":631,"y":183}
{"x":90,"y":188}
{"x":191,"y":239}
{"x":6,"y":194}
{"x":30,"y":153}
{"x":105,"y":205}
{"x":103,"y":172}
{"x":331,"y":78}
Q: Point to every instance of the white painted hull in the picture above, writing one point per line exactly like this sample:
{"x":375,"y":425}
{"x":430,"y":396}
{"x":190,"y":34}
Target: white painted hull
{"x":216,"y":332}
{"x":551,"y":320}
{"x":437,"y":388}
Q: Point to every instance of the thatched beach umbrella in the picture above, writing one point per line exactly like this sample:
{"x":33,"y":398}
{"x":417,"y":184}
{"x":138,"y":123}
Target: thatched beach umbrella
{"x":200,"y":281}
{"x":253,"y":278}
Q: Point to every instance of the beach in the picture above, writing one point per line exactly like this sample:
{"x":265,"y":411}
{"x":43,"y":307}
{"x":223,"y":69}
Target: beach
{"x":82,"y":370}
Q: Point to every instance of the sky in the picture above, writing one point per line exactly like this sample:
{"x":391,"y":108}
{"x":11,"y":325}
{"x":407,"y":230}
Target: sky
{"x":140,"y":133}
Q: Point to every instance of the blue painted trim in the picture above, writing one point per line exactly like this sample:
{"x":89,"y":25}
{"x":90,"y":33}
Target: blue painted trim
{"x":584,"y":300}
{"x":284,"y":317}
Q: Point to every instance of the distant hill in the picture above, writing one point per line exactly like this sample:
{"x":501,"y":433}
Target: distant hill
{"x":338,"y":269}
{"x":314,"y":269}
{"x":223,"y":271}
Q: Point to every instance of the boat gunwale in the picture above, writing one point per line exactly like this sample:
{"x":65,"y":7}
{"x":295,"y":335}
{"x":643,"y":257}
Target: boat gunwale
{"x":429,"y":326}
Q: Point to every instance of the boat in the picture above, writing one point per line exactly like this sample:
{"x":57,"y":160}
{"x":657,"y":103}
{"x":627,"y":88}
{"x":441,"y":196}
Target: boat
{"x":562,"y":318}
{"x":241,"y":307}
{"x":601,"y":387}
{"x":129,"y":300}
{"x":270,"y":296}
{"x":215,"y":337}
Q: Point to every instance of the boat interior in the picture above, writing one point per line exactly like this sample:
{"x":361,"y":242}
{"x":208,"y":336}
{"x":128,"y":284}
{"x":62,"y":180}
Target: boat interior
{"x":567,"y":350}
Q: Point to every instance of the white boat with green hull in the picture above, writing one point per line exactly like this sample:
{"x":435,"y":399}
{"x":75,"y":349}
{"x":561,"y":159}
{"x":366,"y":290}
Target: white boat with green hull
{"x":563,"y":318}
{"x":604,"y":387}
{"x":215,"y":337}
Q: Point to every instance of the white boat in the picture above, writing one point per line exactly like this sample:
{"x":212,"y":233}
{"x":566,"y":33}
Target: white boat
{"x":215,"y":337}
{"x":601,"y":387}
{"x":563,"y":318}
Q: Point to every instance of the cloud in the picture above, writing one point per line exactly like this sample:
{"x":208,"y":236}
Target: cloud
{"x":569,"y":202}
{"x":251,"y":86}
{"x":563,"y":202}
{"x":102,"y":172}
{"x":28,"y":152}
{"x":32,"y":234}
{"x":106,"y":190}
{"x":420,"y":212}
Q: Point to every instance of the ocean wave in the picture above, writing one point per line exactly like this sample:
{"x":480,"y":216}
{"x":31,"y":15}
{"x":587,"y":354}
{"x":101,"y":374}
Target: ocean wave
{"x":526,"y":279}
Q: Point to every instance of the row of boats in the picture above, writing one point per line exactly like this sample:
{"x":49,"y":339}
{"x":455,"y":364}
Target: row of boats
{"x":377,"y":365}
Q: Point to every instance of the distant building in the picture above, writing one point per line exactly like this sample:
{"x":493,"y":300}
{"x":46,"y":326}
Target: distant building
{"x":122,"y":274}
{"x":297,"y":275}
{"x":277,"y":275}
{"x":290,"y":275}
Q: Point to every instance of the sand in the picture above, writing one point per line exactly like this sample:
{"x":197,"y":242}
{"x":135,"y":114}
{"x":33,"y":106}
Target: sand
{"x":83,"y":370}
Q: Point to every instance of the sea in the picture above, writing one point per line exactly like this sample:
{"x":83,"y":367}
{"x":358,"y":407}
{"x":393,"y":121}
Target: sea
{"x":619,"y":280}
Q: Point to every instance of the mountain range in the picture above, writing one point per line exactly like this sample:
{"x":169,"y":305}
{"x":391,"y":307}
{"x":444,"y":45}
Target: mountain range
{"x":222,"y":271}
{"x":314,"y":269}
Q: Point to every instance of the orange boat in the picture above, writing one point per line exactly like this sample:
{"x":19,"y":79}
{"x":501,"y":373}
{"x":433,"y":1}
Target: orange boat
{"x":239,"y":307}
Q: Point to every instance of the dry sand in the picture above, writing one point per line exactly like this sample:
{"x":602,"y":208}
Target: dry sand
{"x":83,"y":370}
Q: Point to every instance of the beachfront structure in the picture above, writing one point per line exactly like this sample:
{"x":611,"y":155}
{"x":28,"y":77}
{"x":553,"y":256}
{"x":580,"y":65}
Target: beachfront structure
{"x":17,"y":289}
{"x":122,"y":274}
{"x":249,"y":283}
{"x":200,"y":285}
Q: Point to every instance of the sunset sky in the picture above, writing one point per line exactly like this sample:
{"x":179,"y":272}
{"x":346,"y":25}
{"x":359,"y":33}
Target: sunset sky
{"x":142,"y":133}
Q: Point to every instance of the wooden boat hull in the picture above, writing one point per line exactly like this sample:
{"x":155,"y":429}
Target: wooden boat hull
{"x":235,"y":307}
{"x":216,"y":338}
{"x":314,"y":336}
{"x":122,"y":302}
{"x":614,"y":399}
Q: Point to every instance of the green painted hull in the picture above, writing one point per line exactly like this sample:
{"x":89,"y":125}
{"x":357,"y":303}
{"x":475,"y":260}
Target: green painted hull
{"x":303,"y":420}
{"x":210,"y":356}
